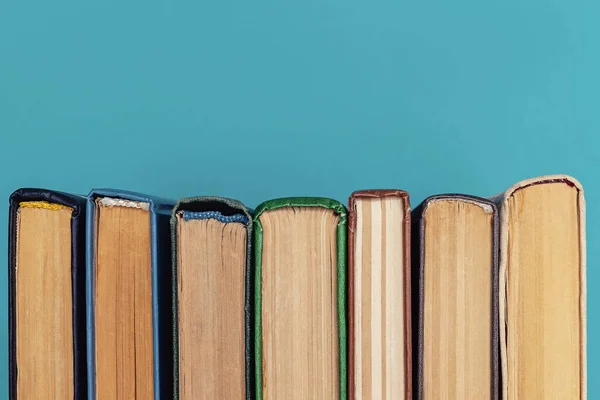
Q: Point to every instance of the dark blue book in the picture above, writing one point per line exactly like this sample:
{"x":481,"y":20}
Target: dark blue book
{"x":46,"y":289}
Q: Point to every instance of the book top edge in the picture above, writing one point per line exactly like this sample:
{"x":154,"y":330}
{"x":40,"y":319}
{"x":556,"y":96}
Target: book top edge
{"x":36,"y":195}
{"x":324,"y":202}
{"x":211,"y":204}
{"x":377,"y":194}
{"x":486,"y":204}
{"x":216,"y":215}
{"x":157,"y":204}
{"x":545,"y":179}
{"x":118,"y":202}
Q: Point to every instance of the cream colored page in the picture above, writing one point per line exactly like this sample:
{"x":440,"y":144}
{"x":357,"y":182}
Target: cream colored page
{"x":379,"y":330}
{"x":299,"y":304}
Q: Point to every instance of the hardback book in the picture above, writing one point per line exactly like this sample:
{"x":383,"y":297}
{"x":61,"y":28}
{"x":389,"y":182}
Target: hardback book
{"x":128,"y":296}
{"x":46,"y":287}
{"x":300,"y":299}
{"x":542,"y":289}
{"x":212,"y":299}
{"x":456,"y":298}
{"x":379,"y":295}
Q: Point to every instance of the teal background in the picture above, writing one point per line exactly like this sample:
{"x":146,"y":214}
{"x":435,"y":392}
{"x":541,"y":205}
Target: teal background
{"x":263,"y":99}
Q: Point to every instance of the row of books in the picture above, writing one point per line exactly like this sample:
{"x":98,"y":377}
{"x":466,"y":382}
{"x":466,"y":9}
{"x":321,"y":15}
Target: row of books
{"x":120,"y":295}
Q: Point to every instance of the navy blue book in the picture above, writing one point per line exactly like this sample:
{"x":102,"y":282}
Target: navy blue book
{"x":46,"y":295}
{"x":128,"y":296}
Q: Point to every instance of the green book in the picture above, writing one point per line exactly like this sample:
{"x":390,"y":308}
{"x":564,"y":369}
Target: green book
{"x":300,"y":299}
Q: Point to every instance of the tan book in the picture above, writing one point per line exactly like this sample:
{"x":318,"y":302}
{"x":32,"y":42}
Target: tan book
{"x":129,"y":296}
{"x":456,"y":278}
{"x":542,"y":290}
{"x":379,"y":296}
{"x":300,"y":299}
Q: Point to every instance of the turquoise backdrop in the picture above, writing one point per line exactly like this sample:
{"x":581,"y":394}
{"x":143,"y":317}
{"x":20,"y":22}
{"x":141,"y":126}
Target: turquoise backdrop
{"x":263,"y":99}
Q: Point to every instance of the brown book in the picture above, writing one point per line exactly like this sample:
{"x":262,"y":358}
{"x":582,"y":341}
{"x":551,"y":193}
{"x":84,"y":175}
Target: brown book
{"x":379,"y":295}
{"x":212,"y":299}
{"x":129,"y":296}
{"x":456,"y":278}
{"x":543,"y":296}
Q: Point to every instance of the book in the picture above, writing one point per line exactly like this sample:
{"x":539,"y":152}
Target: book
{"x":212,"y":299}
{"x":543,"y":289}
{"x":456,"y":298}
{"x":128,"y":296}
{"x":300,"y":299}
{"x":46,"y":288}
{"x":379,"y":295}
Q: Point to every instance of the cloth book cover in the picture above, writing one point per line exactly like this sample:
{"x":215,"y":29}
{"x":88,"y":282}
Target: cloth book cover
{"x":160,"y":254}
{"x":282,"y":214}
{"x":226,"y":211}
{"x":50,"y":200}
